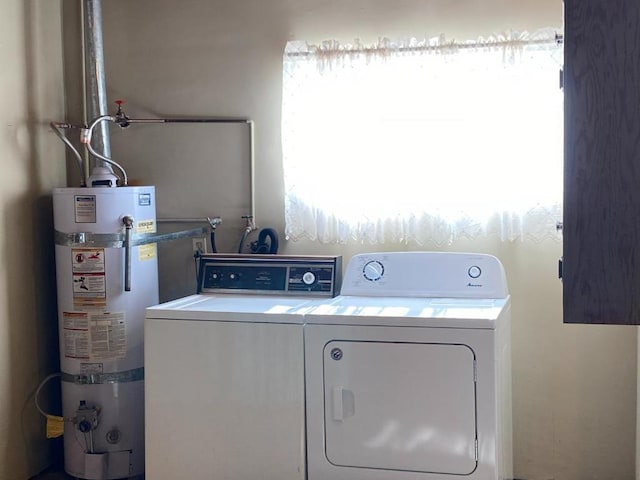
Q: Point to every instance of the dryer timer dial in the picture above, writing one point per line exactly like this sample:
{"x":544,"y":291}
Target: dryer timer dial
{"x":373,"y":270}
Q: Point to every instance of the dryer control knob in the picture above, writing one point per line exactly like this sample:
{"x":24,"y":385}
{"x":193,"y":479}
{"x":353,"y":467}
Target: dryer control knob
{"x":308,"y":278}
{"x":373,"y":270}
{"x":474,"y":272}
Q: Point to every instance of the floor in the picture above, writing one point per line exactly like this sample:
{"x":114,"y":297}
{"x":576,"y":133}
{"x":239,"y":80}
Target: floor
{"x":56,"y":471}
{"x":52,"y":474}
{"x":58,"y":474}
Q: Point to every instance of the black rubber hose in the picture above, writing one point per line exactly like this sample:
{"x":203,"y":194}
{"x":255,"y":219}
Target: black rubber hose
{"x":214,"y":249}
{"x":261,"y":245}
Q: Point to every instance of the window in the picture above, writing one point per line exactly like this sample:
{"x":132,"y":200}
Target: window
{"x":423,"y":141}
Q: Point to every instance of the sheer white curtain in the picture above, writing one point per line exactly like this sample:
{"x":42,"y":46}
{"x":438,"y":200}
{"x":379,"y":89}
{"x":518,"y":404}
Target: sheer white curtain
{"x":423,"y":141}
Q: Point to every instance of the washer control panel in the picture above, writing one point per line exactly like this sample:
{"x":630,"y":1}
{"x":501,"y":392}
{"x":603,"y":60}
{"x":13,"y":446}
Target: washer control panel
{"x":270,"y":274}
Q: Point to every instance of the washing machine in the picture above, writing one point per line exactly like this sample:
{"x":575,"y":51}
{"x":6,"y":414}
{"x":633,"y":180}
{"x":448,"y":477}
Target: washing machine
{"x":408,"y":371}
{"x":224,"y":369}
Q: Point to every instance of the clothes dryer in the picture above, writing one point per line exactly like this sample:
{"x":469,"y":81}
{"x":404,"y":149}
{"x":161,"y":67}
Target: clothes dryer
{"x":408,"y":371}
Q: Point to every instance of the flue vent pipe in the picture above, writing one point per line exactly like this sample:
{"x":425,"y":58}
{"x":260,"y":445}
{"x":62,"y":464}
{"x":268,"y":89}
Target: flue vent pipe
{"x":95,"y":86}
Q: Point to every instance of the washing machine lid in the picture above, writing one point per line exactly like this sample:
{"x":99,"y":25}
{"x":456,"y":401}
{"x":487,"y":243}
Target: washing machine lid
{"x":234,"y":308}
{"x":409,"y":312}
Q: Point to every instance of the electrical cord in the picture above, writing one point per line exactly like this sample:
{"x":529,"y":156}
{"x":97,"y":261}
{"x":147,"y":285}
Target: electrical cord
{"x":55,"y":423}
{"x":37,"y":395}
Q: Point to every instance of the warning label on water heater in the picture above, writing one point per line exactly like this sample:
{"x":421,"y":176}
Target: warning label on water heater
{"x":88,"y":260}
{"x":94,"y":336}
{"x":146,"y":226}
{"x":89,"y":278}
{"x":108,"y":336}
{"x":147,"y":252}
{"x":75,"y":332}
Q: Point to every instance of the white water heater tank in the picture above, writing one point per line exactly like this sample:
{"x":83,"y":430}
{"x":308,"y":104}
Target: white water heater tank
{"x":101,"y":325}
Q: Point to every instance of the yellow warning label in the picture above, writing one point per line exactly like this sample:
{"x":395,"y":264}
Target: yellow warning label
{"x":146,"y":226}
{"x":55,"y":426}
{"x":147,"y":252}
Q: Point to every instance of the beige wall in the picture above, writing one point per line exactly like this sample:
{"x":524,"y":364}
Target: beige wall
{"x":32,"y":162}
{"x":574,"y":386}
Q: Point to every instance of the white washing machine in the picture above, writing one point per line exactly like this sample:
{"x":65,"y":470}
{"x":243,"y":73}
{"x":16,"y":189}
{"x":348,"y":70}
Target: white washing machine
{"x":224,"y":370}
{"x":408,"y":371}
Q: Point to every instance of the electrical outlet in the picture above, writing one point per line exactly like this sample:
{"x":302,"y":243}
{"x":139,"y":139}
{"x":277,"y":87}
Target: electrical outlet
{"x":199,"y":245}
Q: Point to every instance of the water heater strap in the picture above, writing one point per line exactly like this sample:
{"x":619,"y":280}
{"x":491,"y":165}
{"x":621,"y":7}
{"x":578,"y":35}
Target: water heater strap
{"x":117,"y":240}
{"x":88,"y":239}
{"x":135,"y":375}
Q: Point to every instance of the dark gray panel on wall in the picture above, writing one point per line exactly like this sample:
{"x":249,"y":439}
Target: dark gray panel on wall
{"x":601,"y":270}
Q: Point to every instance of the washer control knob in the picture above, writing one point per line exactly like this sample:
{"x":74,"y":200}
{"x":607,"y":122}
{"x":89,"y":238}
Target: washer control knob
{"x":373,"y":270}
{"x":308,"y":278}
{"x":474,"y":272}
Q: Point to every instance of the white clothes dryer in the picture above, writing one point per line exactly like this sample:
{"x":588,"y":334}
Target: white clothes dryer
{"x":224,"y":370}
{"x":408,"y":371}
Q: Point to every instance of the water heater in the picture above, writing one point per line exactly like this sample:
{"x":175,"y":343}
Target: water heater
{"x":104,"y":284}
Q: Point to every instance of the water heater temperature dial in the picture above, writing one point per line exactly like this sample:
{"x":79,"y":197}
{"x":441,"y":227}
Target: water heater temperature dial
{"x":373,"y":271}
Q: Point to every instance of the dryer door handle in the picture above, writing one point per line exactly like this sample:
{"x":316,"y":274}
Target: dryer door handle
{"x":343,"y":403}
{"x":338,"y":404}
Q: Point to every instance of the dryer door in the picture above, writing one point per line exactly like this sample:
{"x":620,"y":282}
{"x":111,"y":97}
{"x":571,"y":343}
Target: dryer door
{"x":400,"y":406}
